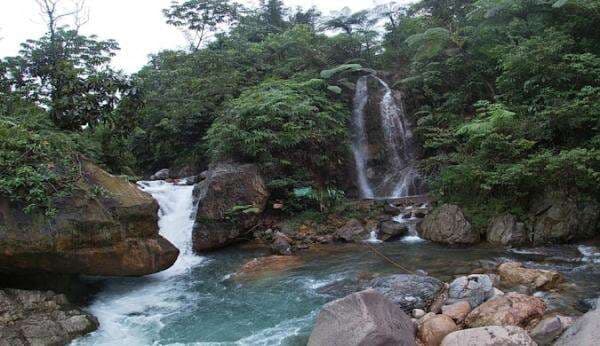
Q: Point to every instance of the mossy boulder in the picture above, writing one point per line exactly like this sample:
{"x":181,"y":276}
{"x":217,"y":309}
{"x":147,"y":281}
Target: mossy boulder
{"x":105,"y":227}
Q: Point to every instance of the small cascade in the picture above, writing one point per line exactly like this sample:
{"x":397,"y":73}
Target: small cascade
{"x":383,"y":145}
{"x":373,"y":238}
{"x":410,"y":219}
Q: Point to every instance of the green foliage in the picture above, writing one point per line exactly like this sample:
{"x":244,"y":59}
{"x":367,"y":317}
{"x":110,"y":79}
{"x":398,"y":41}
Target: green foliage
{"x":327,"y":74}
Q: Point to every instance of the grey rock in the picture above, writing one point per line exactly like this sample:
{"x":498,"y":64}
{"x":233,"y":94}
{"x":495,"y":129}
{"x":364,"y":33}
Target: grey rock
{"x":506,"y":230}
{"x":163,"y":174}
{"x":585,"y":332}
{"x":409,"y":292}
{"x":557,"y":218}
{"x":448,"y":225}
{"x":475,"y":288}
{"x":363,"y":318}
{"x":489,"y":336}
{"x":40,"y":318}
{"x":550,"y":328}
{"x":227,"y":186}
{"x":391,"y":229}
{"x":281,"y":244}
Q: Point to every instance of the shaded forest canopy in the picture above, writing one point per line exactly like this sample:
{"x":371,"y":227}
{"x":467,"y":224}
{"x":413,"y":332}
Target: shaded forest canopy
{"x":504,"y":95}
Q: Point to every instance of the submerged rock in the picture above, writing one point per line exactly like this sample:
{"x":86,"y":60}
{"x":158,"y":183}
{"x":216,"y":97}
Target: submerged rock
{"x":585,"y":332}
{"x":506,"y":230}
{"x":511,"y":309}
{"x":266,"y":266}
{"x":475,"y":289}
{"x":550,"y":328}
{"x":40,"y":318}
{"x":489,"y":336}
{"x":229,"y":200}
{"x":448,"y":225}
{"x":513,"y":273}
{"x":363,"y":318}
{"x":409,"y":292}
{"x":106,"y":227}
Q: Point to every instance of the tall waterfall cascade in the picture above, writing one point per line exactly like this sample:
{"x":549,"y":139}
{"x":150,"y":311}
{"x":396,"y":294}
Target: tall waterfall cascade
{"x":383,"y":146}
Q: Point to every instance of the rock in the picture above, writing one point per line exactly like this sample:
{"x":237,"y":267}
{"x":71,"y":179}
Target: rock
{"x":550,"y":328}
{"x":440,"y":300}
{"x":40,"y":318}
{"x":163,"y":174}
{"x":267,"y":266}
{"x":513,"y":273}
{"x":489,"y":336}
{"x":409,"y":291}
{"x":585,"y":332}
{"x":457,"y":311}
{"x":281,"y":244}
{"x":363,"y":318}
{"x":227,"y":187}
{"x":432,"y":330}
{"x":106,"y":227}
{"x":511,"y":309}
{"x":391,"y":230}
{"x":448,"y":225}
{"x":418,"y":313}
{"x":506,"y":230}
{"x":497,"y":293}
{"x":475,"y":289}
{"x":352,"y":231}
{"x":559,"y":218}
{"x":391,"y":209}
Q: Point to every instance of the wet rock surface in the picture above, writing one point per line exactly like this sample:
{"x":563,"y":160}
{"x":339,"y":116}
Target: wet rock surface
{"x":106,"y":227}
{"x":40,"y":318}
{"x":448,"y":225}
{"x":227,"y":186}
{"x":363,"y":318}
{"x":409,"y":291}
{"x":489,"y":336}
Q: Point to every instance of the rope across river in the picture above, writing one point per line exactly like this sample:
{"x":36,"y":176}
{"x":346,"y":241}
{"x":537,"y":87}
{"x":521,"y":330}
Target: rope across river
{"x":394,"y":263}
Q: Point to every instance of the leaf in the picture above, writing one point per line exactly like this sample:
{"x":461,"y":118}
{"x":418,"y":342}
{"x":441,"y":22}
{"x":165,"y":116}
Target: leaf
{"x":303,"y":192}
{"x":335,"y":89}
{"x":560,"y":3}
{"x":326,"y":74}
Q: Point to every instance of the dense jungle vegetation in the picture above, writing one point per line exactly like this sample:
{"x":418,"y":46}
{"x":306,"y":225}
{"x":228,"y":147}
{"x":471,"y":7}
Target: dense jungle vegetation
{"x":504,"y":95}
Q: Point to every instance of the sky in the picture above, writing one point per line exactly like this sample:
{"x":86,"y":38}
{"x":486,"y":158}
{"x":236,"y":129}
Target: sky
{"x":137,"y":25}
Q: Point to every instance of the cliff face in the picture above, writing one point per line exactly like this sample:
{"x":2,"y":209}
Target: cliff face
{"x":106,"y":227}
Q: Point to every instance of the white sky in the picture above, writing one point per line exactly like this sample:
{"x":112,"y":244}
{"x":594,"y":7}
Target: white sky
{"x":138,"y":25}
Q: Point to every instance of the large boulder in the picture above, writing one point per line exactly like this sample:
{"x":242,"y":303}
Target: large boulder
{"x":163,"y":174}
{"x":448,"y":225}
{"x":409,"y":292}
{"x":489,"y":336}
{"x":363,"y":318}
{"x":40,"y":318}
{"x":513,"y":273}
{"x":507,"y":230}
{"x":585,"y":332}
{"x":558,"y":218}
{"x":351,"y":231}
{"x":511,"y":309}
{"x":390,"y":229}
{"x":229,"y":200}
{"x":475,"y":289}
{"x":106,"y":226}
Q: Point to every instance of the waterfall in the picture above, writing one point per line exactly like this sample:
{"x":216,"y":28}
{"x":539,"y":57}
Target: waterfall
{"x":389,"y":171}
{"x":130,"y":310}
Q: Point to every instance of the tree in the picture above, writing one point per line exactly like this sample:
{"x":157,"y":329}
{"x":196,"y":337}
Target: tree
{"x":201,"y":19}
{"x":347,"y":21}
{"x":273,"y":13}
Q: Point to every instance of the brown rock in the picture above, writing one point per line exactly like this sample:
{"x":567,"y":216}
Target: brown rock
{"x":360,"y":319}
{"x":281,"y":244}
{"x":511,"y":309}
{"x":432,"y":330}
{"x":506,"y":230}
{"x":448,"y":225}
{"x":113,"y":234}
{"x":457,"y":311}
{"x":513,"y":273}
{"x":352,"y":231}
{"x":227,"y":186}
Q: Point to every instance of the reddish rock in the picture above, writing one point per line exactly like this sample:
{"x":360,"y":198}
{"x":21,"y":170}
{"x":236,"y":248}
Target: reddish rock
{"x":265,"y":266}
{"x":457,"y":311}
{"x":511,"y":309}
{"x":432,"y":330}
{"x":513,"y":273}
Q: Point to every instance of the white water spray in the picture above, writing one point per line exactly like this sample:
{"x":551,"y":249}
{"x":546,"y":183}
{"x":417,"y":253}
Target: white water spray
{"x":130,"y":310}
